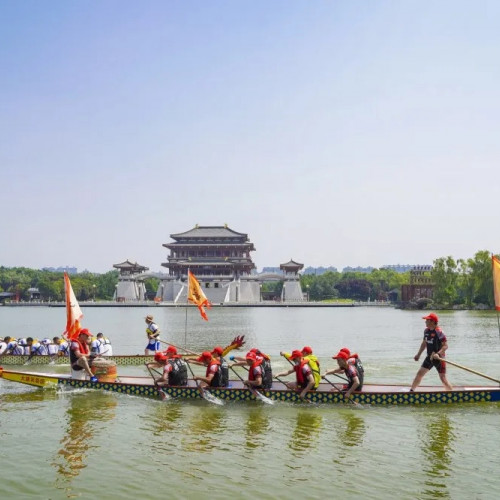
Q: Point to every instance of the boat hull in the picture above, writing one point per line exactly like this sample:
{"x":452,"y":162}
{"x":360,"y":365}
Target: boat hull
{"x":124,"y":360}
{"x":373,"y":394}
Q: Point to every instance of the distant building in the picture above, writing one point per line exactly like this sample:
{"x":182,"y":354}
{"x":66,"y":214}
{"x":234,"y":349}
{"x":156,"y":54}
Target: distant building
{"x":292,"y":290}
{"x":69,"y":270}
{"x":358,"y":269}
{"x":220,"y":259}
{"x":421,"y":285}
{"x":401,"y":268}
{"x":318,"y":271}
{"x":130,"y":285}
{"x":275,"y":270}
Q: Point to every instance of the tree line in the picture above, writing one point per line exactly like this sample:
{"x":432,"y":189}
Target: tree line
{"x":466,"y":282}
{"x":50,"y":284}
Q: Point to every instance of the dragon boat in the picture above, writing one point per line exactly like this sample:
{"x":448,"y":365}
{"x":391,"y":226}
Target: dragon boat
{"x":372,"y":394}
{"x":120,"y":360}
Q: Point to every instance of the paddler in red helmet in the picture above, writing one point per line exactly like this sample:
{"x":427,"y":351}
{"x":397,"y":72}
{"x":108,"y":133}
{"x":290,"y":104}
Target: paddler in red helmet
{"x":304,"y":375}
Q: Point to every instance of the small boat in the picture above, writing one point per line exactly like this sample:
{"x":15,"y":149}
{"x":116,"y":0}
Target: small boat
{"x":21,"y":359}
{"x":372,"y":394}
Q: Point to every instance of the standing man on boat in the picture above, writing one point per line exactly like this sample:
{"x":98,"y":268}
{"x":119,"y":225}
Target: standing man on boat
{"x":304,"y":375}
{"x":436,"y":344}
{"x":153,"y":333}
{"x":79,"y":354}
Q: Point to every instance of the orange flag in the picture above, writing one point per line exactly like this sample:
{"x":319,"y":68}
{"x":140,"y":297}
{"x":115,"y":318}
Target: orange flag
{"x":196,"y":295}
{"x":73,"y":312}
{"x":496,"y":281}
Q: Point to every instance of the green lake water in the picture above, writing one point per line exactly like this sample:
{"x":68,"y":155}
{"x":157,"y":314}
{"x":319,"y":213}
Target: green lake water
{"x":91,"y":444}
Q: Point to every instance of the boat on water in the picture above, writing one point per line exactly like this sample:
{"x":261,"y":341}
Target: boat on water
{"x":372,"y":394}
{"x":120,"y":360}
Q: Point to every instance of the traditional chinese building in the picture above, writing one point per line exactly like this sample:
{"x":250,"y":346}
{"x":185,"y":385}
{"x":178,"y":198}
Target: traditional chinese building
{"x":130,"y":287}
{"x":292,"y":291}
{"x":220,"y":259}
{"x":211,"y":252}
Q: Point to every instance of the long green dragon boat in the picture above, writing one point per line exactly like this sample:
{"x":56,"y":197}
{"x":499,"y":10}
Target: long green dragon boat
{"x":372,"y":394}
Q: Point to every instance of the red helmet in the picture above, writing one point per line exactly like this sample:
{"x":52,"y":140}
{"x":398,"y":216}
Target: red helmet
{"x":159,"y":356}
{"x":296,"y":354}
{"x":251,"y":355}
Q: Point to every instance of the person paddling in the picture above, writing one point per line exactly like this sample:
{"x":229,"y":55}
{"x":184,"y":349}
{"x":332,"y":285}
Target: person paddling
{"x":312,"y":359}
{"x":213,"y":376}
{"x":350,"y":371}
{"x":259,"y":364}
{"x":304,"y":375}
{"x":174,"y":368}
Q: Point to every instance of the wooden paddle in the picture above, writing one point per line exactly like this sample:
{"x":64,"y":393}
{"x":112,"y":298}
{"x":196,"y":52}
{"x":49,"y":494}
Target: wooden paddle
{"x":254,"y":391}
{"x":467,"y":369}
{"x":182,"y":348}
{"x":205,"y":393}
{"x":163,"y":395}
{"x":334,"y":386}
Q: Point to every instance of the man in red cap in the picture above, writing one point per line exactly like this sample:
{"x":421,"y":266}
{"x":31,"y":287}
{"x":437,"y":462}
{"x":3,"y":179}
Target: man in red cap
{"x":436,"y":344}
{"x":174,"y":368}
{"x":213,"y":376}
{"x":350,"y":371}
{"x":258,"y":358}
{"x":79,"y":353}
{"x":304,"y":375}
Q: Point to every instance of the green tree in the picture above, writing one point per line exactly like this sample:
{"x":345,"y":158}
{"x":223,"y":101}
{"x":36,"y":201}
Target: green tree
{"x":444,"y":276}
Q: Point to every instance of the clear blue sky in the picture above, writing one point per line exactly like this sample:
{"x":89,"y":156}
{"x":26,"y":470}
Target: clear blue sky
{"x":332,"y":132}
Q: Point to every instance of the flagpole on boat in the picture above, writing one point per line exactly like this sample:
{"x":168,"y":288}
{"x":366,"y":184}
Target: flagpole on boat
{"x":187,"y":305}
{"x":495,"y":262}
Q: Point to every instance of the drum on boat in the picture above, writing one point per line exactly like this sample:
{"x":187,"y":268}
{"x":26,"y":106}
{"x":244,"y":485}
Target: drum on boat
{"x":104,"y":370}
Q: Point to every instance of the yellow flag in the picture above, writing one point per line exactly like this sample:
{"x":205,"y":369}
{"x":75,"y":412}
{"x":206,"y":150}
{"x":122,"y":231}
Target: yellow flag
{"x":196,"y":295}
{"x":496,"y":281}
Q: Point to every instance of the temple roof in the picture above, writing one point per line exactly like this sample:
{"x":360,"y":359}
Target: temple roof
{"x":210,"y":232}
{"x":291,"y":264}
{"x":127,"y":265}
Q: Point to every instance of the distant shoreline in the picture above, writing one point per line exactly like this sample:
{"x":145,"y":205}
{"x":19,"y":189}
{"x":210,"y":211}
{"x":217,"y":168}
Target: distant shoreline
{"x":241,"y":304}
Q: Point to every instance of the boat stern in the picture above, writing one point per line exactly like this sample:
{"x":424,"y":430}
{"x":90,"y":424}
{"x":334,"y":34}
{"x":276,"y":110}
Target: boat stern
{"x":35,"y":379}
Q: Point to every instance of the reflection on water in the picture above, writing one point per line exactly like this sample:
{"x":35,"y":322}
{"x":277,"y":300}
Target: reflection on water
{"x":257,"y":425}
{"x":165,"y":418}
{"x":307,"y":430}
{"x":30,"y":396}
{"x":201,"y":434}
{"x":437,"y":439}
{"x":350,"y":430}
{"x":86,"y":417}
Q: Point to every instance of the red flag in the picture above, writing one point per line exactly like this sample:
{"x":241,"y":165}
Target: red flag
{"x":496,"y":281}
{"x":73,"y":312}
{"x":196,"y":295}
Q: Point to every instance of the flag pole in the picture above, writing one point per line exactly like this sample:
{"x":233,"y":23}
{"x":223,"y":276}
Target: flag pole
{"x":496,"y":286}
{"x":187,"y":305}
